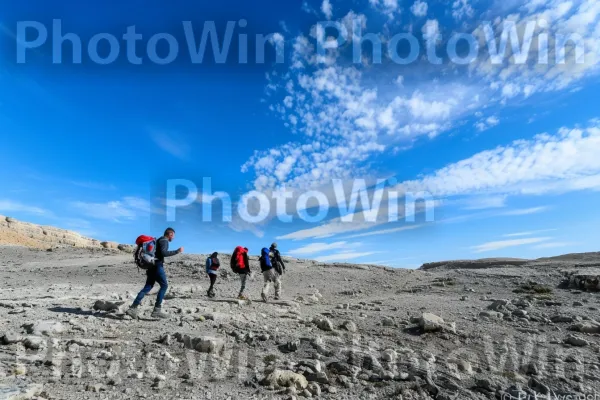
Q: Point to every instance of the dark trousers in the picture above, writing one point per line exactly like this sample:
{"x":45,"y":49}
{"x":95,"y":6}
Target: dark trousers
{"x":154,"y":275}
{"x":213,"y":279}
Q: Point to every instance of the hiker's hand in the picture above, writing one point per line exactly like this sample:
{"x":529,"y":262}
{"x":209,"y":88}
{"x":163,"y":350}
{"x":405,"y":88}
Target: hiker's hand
{"x":180,"y":250}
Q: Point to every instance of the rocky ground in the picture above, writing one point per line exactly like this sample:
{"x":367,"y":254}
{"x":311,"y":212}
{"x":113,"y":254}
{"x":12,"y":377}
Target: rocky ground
{"x":457,"y":330}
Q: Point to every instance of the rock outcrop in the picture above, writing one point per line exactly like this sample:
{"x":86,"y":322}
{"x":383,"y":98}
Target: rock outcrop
{"x":18,"y":233}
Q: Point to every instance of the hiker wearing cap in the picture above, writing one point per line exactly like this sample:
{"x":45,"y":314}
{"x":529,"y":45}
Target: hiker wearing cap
{"x":272,"y":268}
{"x":278,"y":261}
{"x":212,"y":266}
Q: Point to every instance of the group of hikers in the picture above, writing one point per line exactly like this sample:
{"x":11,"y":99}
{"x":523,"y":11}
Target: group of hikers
{"x":151,"y":253}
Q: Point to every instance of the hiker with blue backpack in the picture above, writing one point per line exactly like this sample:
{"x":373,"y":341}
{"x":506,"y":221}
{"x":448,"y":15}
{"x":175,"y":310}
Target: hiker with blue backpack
{"x":212,"y":266}
{"x":150,"y":255}
{"x":272,"y":268}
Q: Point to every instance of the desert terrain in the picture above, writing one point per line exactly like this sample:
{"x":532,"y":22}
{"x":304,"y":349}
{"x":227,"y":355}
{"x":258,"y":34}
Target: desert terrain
{"x":466,"y":329}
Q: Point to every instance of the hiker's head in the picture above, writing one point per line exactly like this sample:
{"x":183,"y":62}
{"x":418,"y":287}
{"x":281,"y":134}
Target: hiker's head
{"x":170,"y":233}
{"x":214,"y":254}
{"x":273,"y":245}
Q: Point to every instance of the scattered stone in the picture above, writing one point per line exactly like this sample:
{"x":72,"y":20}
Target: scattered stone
{"x":47,"y":328}
{"x":349,"y":326}
{"x":432,"y":323}
{"x":284,"y":378}
{"x":323,"y":323}
{"x":575,"y":341}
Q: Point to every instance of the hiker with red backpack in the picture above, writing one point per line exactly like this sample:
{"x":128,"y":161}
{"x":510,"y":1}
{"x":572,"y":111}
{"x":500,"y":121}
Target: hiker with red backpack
{"x":212,"y":266}
{"x":150,"y":255}
{"x":240,"y":264}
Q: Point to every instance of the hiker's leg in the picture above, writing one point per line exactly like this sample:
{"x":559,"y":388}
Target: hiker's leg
{"x":267,"y":284}
{"x":243,"y":277}
{"x":213,"y":279}
{"x":150,"y":281}
{"x":161,"y":278}
{"x":278,"y":286}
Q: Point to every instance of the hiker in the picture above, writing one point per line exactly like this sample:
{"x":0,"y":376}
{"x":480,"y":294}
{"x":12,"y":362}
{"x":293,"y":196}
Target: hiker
{"x":212,"y":266}
{"x":241,"y":266}
{"x":270,"y":274}
{"x":156,"y":273}
{"x":279,"y":265}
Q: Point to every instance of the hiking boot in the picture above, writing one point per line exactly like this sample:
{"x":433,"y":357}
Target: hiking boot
{"x":242,"y":297}
{"x":264,"y":297}
{"x":158,"y":313}
{"x":276,"y":297}
{"x":133,"y":312}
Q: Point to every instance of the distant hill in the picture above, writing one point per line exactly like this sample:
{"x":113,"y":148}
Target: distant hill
{"x":583,"y":258}
{"x":18,"y":233}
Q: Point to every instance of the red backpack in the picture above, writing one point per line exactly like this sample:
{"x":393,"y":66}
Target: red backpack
{"x":237,"y":260}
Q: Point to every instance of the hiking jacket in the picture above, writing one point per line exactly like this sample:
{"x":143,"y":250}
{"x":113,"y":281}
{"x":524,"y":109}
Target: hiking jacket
{"x":162,"y":249}
{"x":277,"y":258}
{"x":210,"y":269}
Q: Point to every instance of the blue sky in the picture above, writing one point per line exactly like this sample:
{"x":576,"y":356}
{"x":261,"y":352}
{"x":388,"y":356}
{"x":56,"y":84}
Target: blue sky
{"x":506,"y":152}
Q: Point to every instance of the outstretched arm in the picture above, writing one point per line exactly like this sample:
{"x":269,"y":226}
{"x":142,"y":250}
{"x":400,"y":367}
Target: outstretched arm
{"x":164,"y":248}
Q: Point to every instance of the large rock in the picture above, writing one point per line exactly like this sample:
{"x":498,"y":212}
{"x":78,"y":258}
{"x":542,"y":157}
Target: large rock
{"x":14,"y":232}
{"x":282,"y":378}
{"x":432,"y":323}
{"x":585,"y":280}
{"x":586,"y":327}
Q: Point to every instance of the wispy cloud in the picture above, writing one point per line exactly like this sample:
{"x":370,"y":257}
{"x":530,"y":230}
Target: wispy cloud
{"x":527,"y":211}
{"x":314,"y":248}
{"x":529,"y":233}
{"x":172,"y":143}
{"x":387,"y":231}
{"x":344,"y":256}
{"x":8,"y":206}
{"x":482,"y":202}
{"x":129,"y":208}
{"x":503,"y":244}
{"x":552,"y":245}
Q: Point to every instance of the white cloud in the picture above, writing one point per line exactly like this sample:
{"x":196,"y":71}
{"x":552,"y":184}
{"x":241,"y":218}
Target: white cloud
{"x":485,"y":124}
{"x":419,"y":8}
{"x":342,"y":257}
{"x":562,"y":162}
{"x":387,"y":7}
{"x":386,"y":231}
{"x":462,"y":9}
{"x":503,"y":244}
{"x":483,"y":202}
{"x":553,"y":245}
{"x":129,"y":208}
{"x":319,"y":247}
{"x":529,"y":233}
{"x":9,"y":206}
{"x":431,"y":29}
{"x":326,"y":8}
{"x":171,"y":143}
{"x":527,"y":211}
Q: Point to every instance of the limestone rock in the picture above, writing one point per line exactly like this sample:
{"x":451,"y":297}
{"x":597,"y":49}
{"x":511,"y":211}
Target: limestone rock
{"x":284,"y":378}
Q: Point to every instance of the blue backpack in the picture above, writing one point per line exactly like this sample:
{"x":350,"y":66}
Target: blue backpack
{"x":266,"y":260}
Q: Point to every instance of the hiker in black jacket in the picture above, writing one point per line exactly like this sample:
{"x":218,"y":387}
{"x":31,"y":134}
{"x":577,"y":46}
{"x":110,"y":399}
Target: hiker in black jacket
{"x":156,"y":274}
